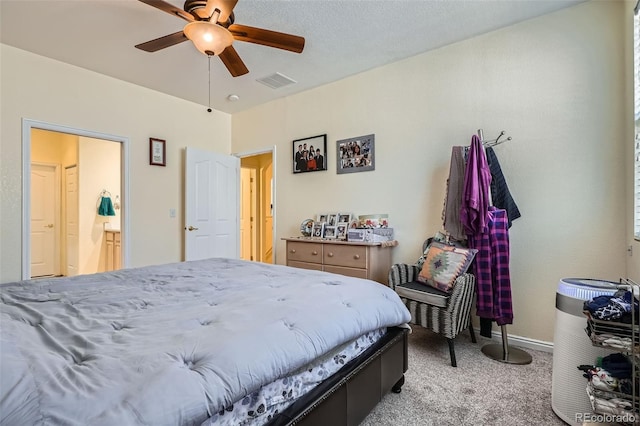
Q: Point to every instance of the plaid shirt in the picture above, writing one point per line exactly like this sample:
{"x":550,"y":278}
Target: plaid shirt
{"x":491,"y":268}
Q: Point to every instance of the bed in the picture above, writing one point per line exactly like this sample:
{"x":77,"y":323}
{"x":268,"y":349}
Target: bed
{"x":192,"y":343}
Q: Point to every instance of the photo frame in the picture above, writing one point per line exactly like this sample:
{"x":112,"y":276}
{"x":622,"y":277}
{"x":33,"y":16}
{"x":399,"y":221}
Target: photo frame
{"x":157,"y":152}
{"x":341,"y":230}
{"x":332,"y":219}
{"x":318,"y":230}
{"x":322,"y":217}
{"x":304,"y":160}
{"x":355,"y":154}
{"x":344,"y":218}
{"x":330,"y":232}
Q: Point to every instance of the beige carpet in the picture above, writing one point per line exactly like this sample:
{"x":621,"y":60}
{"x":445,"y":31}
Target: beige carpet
{"x":480,"y":391}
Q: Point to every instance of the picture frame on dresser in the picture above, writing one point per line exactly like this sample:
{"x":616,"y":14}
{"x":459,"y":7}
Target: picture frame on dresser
{"x":318,"y":230}
{"x":330,"y":232}
{"x":341,"y":230}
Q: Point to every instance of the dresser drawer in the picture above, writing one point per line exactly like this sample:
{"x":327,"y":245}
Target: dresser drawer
{"x":349,"y":272}
{"x":345,"y":255}
{"x":305,"y":265}
{"x":304,"y":252}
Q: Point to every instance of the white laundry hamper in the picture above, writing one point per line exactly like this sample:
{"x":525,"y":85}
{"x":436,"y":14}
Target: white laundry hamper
{"x":572,"y":347}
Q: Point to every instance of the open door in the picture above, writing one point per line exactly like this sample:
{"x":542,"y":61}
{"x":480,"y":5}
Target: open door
{"x":212,"y":206}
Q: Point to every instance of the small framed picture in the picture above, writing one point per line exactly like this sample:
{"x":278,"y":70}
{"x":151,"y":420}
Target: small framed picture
{"x":330,"y":232}
{"x":322,"y":217}
{"x":157,"y":152}
{"x":354,"y":223}
{"x":318,"y":229}
{"x":332,"y":219}
{"x":341,"y":230}
{"x":344,"y":218}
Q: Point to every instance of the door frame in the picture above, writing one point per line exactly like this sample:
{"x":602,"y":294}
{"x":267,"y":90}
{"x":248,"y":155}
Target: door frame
{"x":271,"y":150}
{"x":27,"y":126}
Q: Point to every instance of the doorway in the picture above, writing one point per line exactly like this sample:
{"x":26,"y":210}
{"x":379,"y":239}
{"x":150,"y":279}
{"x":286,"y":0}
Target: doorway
{"x":63,"y":230}
{"x":257,"y":207}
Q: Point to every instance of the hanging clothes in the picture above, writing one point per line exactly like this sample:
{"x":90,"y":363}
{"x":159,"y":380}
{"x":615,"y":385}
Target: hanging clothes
{"x":453,"y":197}
{"x":491,"y":269}
{"x":500,"y":194}
{"x":474,"y":207}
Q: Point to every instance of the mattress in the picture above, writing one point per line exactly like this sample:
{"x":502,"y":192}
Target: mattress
{"x":172,"y":344}
{"x":262,"y":405}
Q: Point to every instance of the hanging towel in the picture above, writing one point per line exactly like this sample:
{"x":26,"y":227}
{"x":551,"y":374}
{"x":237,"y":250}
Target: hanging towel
{"x":106,"y":207}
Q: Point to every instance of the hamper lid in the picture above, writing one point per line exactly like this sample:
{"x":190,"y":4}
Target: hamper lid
{"x":586,"y":288}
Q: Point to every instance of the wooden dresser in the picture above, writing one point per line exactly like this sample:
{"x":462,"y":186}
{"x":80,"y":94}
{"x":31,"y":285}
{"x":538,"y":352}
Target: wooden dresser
{"x":354,"y":259}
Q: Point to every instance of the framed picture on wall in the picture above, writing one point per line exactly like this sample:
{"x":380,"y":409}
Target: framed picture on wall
{"x":310,"y":154}
{"x":355,"y":154}
{"x":157,"y":152}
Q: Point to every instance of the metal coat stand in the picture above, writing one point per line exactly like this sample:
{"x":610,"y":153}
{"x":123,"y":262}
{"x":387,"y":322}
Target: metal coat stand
{"x":503,"y":352}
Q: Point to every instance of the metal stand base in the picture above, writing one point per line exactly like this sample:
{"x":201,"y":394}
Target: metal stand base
{"x":504,"y":352}
{"x":513,"y":355}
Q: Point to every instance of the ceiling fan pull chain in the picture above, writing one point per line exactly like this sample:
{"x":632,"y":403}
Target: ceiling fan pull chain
{"x":209,"y":109}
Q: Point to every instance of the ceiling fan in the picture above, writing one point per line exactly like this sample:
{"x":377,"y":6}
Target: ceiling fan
{"x":212,"y":30}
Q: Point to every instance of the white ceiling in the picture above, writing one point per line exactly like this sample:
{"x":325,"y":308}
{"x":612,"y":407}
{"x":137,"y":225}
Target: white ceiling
{"x":343,"y":37}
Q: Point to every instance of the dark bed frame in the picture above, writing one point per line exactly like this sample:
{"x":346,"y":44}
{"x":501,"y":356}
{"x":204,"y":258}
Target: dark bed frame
{"x":348,"y":396}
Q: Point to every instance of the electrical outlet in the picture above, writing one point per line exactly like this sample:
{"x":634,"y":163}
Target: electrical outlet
{"x":172,"y":213}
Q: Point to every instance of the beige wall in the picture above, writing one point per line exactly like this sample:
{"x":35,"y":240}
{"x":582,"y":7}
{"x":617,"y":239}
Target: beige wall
{"x":555,"y":84}
{"x":37,"y":88}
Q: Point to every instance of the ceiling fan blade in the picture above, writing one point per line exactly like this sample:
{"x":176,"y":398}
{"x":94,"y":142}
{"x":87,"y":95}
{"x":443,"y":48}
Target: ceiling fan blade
{"x":232,"y":61}
{"x":162,"y":42}
{"x":224,"y":6}
{"x":269,"y":38}
{"x":169,"y":8}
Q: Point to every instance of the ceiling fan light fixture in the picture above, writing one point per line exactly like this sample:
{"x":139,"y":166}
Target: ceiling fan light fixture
{"x":207,"y":37}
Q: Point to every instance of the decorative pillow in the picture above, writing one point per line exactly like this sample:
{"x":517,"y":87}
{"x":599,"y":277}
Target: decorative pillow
{"x":440,"y":238}
{"x":443,"y":264}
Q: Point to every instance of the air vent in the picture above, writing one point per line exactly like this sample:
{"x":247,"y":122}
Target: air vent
{"x":276,"y":81}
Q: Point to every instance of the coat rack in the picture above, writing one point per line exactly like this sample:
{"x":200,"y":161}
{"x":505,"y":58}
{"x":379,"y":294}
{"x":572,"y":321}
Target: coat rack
{"x":503,"y":352}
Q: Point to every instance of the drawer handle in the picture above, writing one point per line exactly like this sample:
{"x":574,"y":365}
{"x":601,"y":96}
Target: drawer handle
{"x":292,"y":251}
{"x":356,"y":257}
{"x":315,"y":253}
{"x":330,"y":254}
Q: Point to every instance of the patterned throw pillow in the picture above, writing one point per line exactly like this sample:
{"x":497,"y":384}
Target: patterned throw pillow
{"x":443,"y":264}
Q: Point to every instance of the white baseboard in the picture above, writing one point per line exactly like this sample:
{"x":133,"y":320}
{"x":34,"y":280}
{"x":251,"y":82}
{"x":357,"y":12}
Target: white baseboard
{"x":519,"y":341}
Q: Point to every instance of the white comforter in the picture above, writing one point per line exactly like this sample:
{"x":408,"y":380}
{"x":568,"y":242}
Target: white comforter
{"x":171,"y":344}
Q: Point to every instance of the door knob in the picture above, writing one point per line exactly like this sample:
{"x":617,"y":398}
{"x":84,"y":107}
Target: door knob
{"x":49,"y":225}
{"x":192,"y":228}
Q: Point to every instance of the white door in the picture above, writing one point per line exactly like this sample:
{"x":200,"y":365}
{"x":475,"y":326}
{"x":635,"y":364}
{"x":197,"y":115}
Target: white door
{"x":44,"y":250}
{"x":212,"y":186}
{"x":72,"y":238}
{"x":245,"y":214}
